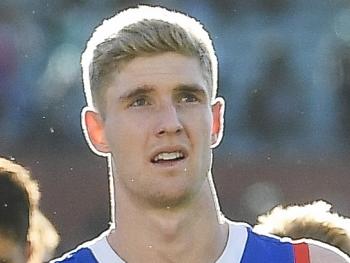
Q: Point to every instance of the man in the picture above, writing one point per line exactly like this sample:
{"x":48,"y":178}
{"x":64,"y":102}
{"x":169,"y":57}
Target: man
{"x":23,"y":237}
{"x":314,"y":221}
{"x":150,"y":79}
{"x":18,"y":195}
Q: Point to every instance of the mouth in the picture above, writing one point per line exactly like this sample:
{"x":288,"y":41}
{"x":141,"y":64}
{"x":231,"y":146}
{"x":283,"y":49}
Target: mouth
{"x":168,"y":157}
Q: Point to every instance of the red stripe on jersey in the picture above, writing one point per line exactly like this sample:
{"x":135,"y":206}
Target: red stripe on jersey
{"x":301,"y":253}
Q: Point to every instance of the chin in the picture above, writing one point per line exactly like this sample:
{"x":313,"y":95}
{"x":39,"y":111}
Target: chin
{"x":172,"y":196}
{"x":166,"y":201}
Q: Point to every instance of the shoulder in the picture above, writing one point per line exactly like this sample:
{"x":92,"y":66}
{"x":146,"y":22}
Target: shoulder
{"x":323,"y":253}
{"x":85,"y":252}
{"x":304,"y":250}
{"x":81,"y":255}
{"x":263,"y":247}
{"x":267,"y":248}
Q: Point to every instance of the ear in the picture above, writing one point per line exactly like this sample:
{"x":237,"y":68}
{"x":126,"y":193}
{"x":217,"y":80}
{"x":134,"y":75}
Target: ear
{"x":28,"y":250}
{"x":93,"y":127}
{"x":218,"y":109}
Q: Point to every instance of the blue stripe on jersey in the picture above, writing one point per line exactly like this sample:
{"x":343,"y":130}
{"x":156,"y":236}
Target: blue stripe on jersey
{"x":83,"y":255}
{"x":264,"y":249}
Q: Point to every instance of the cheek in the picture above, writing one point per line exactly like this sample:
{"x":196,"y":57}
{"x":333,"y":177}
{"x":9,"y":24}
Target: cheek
{"x":125,"y":135}
{"x":200,"y":131}
{"x":206,"y":127}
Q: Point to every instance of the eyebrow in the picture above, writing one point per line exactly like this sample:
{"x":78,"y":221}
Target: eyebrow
{"x":192,"y":88}
{"x":142,"y":90}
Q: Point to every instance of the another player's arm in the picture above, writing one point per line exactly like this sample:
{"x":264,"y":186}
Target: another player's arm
{"x":320,"y":253}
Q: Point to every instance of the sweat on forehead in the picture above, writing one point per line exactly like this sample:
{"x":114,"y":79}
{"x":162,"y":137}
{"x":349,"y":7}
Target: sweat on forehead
{"x":143,"y":31}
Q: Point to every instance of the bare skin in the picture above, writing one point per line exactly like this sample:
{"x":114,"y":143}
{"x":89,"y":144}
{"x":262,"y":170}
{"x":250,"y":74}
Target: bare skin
{"x":166,"y":236}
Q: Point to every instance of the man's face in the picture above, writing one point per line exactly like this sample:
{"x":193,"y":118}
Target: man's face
{"x":10,"y":251}
{"x":158,"y":128}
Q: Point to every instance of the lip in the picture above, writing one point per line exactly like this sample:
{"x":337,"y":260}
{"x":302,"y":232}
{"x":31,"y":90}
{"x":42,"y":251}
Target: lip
{"x":178,"y":165}
{"x":172,"y":148}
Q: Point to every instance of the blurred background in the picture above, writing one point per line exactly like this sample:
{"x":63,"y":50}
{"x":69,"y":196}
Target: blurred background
{"x":284,"y":69}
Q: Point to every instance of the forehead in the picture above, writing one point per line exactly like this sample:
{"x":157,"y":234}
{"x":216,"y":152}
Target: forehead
{"x":168,"y":69}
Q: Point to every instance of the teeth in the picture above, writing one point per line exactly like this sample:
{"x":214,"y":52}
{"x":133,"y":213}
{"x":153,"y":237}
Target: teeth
{"x":168,"y":156}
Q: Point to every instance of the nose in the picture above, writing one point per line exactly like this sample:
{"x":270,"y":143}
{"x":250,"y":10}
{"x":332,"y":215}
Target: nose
{"x":168,"y":122}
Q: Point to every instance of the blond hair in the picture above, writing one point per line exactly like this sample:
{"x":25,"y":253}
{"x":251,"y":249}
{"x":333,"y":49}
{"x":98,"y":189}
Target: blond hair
{"x":43,"y":237}
{"x":143,"y":31}
{"x":314,"y":221}
{"x":21,"y":177}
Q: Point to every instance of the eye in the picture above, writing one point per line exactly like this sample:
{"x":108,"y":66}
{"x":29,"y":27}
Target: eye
{"x":188,"y":98}
{"x":139,"y":102}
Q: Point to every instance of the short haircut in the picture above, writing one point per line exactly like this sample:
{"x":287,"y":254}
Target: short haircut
{"x":314,"y":221}
{"x":143,"y":31}
{"x":19,"y":196}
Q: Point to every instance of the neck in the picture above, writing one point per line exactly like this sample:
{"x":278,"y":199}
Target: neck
{"x":145,"y":234}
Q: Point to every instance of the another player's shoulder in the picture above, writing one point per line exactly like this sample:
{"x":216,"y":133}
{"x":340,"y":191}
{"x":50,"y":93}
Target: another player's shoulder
{"x":323,"y":253}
